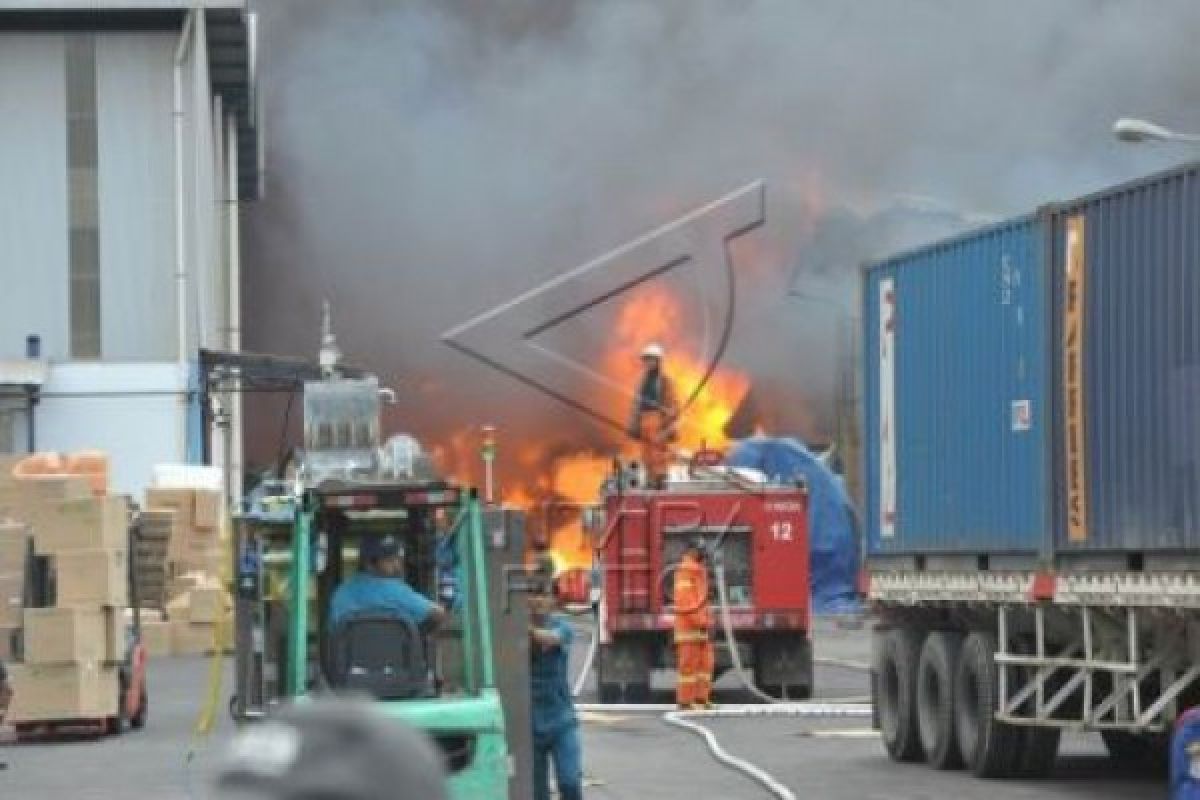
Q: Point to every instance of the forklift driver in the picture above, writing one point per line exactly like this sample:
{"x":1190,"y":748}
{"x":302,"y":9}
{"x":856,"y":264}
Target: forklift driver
{"x":379,"y":586}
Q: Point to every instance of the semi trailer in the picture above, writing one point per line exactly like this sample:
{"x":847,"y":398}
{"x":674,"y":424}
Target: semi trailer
{"x":1031,"y":420}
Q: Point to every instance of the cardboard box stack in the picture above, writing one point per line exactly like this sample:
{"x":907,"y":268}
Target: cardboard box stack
{"x":14,"y":553}
{"x":71,"y":646}
{"x":200,"y":619}
{"x":195,"y":543}
{"x":198,"y":606}
{"x":151,"y":551}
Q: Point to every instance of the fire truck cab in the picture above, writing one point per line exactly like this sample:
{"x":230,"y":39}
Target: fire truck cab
{"x":756,"y":529}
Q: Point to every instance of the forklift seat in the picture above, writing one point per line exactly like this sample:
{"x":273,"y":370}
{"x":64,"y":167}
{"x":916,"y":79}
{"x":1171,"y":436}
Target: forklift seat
{"x":377,"y":652}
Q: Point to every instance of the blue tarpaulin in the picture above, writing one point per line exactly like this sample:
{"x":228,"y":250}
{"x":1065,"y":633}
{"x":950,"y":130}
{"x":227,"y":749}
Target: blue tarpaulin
{"x":833,"y":540}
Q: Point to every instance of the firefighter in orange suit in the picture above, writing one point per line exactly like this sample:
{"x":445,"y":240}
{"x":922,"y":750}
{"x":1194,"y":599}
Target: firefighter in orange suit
{"x":654,"y":415}
{"x":693,"y":648}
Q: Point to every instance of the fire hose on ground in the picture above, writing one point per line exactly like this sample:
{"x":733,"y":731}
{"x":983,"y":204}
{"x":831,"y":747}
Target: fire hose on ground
{"x":689,"y":720}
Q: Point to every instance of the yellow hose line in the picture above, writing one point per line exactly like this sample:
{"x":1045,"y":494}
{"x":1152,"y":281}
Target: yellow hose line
{"x":207,"y":717}
{"x":208,"y":712}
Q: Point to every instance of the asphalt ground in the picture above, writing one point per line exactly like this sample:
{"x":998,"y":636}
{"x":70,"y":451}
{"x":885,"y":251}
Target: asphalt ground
{"x":639,"y":757}
{"x":627,"y":756}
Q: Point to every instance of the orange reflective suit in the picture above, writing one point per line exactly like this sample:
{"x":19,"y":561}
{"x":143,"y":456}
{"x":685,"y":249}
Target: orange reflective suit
{"x":652,"y":423}
{"x":693,"y":618}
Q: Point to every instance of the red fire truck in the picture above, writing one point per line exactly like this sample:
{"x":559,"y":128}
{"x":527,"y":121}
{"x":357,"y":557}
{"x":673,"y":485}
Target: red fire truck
{"x":758,"y":531}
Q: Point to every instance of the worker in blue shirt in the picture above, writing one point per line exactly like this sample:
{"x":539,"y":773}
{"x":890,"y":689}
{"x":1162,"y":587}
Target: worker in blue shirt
{"x":379,"y":586}
{"x":555,"y":727}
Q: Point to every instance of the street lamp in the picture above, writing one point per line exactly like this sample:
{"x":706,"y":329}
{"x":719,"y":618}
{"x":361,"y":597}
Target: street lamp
{"x":845,"y":319}
{"x":1139,"y":130}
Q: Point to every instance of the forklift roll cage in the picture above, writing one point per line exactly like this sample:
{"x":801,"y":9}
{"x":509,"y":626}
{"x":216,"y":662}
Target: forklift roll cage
{"x":468,"y":726}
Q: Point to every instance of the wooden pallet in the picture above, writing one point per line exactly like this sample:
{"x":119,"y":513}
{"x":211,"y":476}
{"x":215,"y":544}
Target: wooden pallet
{"x":62,"y":729}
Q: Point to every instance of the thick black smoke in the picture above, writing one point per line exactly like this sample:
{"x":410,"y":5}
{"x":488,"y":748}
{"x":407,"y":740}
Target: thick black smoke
{"x":428,"y":160}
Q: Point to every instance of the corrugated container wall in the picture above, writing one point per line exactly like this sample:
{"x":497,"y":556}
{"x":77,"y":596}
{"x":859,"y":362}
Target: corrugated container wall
{"x":1126,"y":270}
{"x":955,"y":395}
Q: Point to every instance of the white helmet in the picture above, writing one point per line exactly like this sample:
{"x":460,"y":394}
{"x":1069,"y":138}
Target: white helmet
{"x":652,"y":350}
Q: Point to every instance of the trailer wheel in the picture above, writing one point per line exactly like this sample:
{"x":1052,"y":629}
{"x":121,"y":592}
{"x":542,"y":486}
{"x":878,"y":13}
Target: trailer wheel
{"x":873,"y":678}
{"x":1039,"y":746}
{"x":897,"y":690}
{"x":935,"y":699}
{"x":1039,"y":751}
{"x":1147,"y":751}
{"x":989,"y":748}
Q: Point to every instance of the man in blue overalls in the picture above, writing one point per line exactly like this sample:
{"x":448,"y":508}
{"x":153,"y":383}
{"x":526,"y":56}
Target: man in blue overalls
{"x":555,"y":728}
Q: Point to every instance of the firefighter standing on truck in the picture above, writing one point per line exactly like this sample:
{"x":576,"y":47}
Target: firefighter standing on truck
{"x":654,"y":415}
{"x":694,"y":655}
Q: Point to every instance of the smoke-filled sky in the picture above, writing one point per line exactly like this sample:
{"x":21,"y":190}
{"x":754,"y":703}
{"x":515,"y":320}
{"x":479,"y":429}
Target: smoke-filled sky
{"x":427,"y":160}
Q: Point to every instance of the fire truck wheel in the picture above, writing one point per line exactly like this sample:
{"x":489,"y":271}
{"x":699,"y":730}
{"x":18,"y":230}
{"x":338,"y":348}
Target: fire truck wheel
{"x":637,"y":693}
{"x":803,"y":688}
{"x":935,"y":699}
{"x":607,"y":691}
{"x":989,"y":748}
{"x":783,"y":666}
{"x":897,"y":690}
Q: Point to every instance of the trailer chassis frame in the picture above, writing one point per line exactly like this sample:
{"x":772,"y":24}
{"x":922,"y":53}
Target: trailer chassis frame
{"x":1094,"y":651}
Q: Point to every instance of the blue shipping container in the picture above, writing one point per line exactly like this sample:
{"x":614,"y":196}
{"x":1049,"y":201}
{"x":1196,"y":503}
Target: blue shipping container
{"x":956,"y":401}
{"x":1126,"y":347}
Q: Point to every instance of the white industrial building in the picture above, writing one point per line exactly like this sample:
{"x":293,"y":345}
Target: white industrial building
{"x":128,"y":136}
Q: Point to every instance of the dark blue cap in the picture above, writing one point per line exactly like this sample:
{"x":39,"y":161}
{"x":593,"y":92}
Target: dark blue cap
{"x":374,"y":547}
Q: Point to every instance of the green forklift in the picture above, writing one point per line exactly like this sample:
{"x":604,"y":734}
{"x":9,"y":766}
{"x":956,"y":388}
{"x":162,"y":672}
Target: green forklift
{"x":297,"y":540}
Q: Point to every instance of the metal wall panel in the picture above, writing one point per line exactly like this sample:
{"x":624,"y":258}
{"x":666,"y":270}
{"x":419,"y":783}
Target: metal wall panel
{"x":965,"y":454}
{"x":1140,"y":354}
{"x":136,"y":181}
{"x":33,"y":194}
{"x":134,"y":412}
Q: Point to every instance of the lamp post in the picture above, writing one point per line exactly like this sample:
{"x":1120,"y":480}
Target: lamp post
{"x":488,"y":453}
{"x":845,"y":430}
{"x":1128,"y":129}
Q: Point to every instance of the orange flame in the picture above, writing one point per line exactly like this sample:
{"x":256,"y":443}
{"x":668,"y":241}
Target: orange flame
{"x":708,"y":401}
{"x":552,"y":482}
